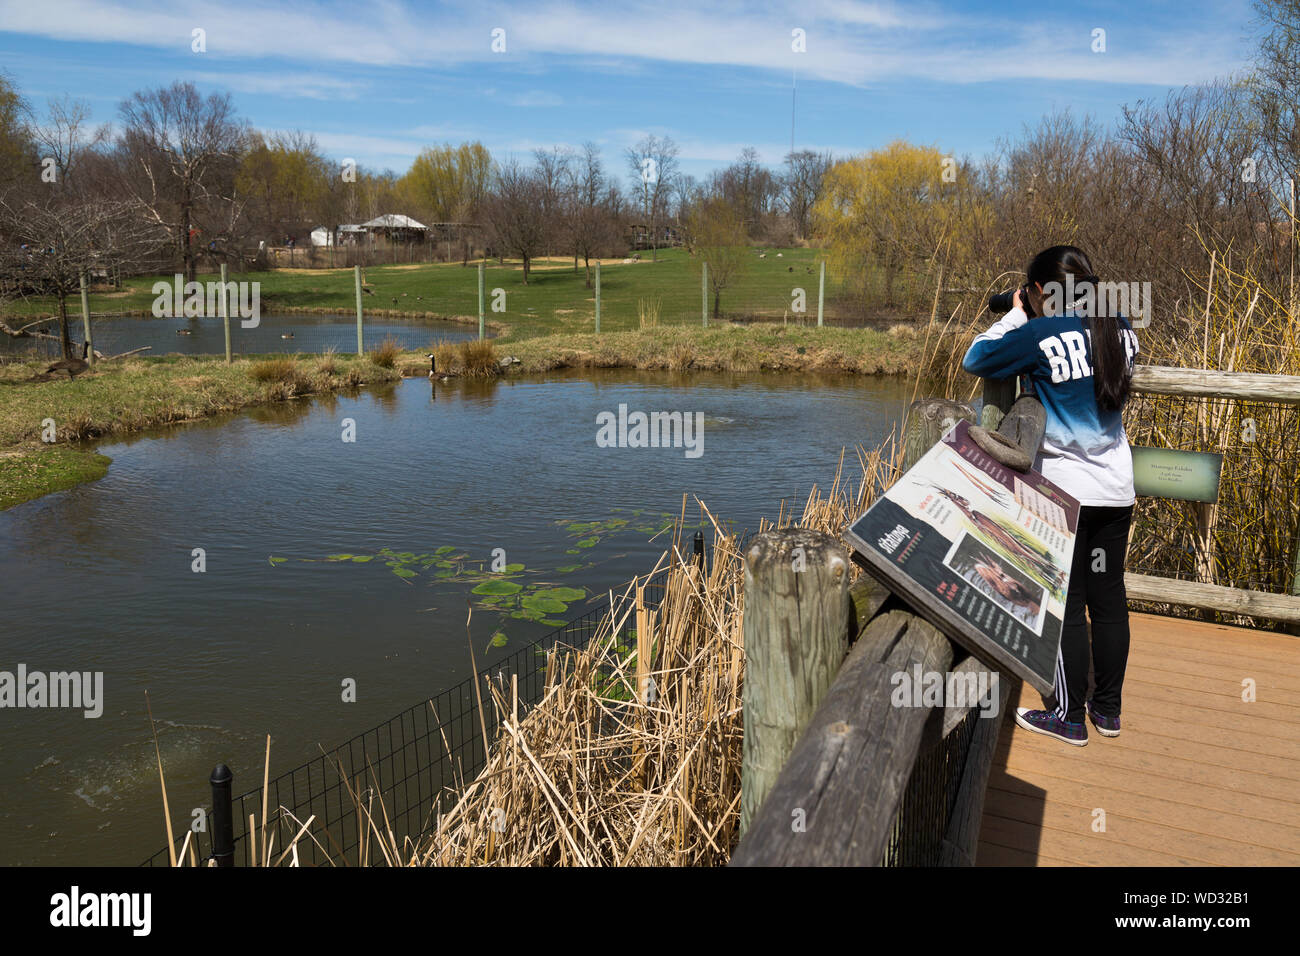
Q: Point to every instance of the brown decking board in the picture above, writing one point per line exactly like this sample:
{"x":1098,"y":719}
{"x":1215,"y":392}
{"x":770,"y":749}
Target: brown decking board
{"x":1198,"y":777}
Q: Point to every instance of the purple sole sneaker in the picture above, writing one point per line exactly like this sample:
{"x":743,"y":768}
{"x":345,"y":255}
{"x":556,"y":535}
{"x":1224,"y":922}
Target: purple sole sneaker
{"x":1046,"y":722}
{"x":1106,"y":726}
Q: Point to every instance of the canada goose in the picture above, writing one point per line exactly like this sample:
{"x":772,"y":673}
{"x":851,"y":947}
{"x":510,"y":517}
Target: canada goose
{"x":367,"y":290}
{"x":394,"y":300}
{"x":433,"y":369}
{"x":72,"y":366}
{"x":287,"y":335}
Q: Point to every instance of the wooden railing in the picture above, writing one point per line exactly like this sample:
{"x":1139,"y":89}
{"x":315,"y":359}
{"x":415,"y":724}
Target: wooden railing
{"x":833,"y":772}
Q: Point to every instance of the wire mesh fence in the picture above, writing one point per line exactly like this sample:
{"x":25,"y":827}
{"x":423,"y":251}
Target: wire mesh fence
{"x":1249,"y":538}
{"x":406,"y":770}
{"x":926,"y":808}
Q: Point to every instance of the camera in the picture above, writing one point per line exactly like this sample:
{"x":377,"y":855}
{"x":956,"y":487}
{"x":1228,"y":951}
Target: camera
{"x":1002,"y":302}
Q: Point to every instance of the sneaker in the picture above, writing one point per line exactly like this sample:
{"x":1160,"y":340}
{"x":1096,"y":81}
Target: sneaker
{"x":1046,"y":722}
{"x":1106,"y":726}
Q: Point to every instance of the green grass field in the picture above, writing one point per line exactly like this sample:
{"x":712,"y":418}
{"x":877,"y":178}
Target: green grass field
{"x":555,"y":300}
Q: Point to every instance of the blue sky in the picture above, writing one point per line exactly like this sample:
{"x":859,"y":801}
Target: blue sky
{"x":376,"y":81}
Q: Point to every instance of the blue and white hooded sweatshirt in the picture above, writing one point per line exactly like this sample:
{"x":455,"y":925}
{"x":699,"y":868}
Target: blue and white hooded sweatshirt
{"x":1085,"y":450}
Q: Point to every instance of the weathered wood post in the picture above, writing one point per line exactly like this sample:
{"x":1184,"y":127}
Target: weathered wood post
{"x":597,"y":296}
{"x":704,"y":293}
{"x":225,"y":311}
{"x":821,"y":294}
{"x":482,"y":292}
{"x":85,"y":319}
{"x":926,"y":422}
{"x":999,"y":395}
{"x":360,"y":347}
{"x":796,"y":636}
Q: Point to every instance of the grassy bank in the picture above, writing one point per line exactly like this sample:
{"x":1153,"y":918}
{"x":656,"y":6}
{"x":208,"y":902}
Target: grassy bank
{"x":126,"y":396}
{"x":729,"y":348}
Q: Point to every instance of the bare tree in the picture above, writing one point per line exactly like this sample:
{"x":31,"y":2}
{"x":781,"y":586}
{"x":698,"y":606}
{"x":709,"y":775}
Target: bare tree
{"x":515,"y":216}
{"x":50,"y":243}
{"x":180,"y":152}
{"x":802,"y":186}
{"x":653,"y":166}
{"x":554,"y":175}
{"x":593,"y":223}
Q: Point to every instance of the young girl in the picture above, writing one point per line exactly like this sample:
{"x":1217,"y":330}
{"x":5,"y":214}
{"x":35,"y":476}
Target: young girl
{"x":1078,"y":361}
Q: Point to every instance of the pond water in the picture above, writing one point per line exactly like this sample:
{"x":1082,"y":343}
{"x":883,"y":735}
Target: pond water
{"x":100,"y":578}
{"x":206,"y":336}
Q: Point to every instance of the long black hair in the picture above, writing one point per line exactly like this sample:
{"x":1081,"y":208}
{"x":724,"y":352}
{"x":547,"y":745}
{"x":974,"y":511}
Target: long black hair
{"x":1110,"y":369}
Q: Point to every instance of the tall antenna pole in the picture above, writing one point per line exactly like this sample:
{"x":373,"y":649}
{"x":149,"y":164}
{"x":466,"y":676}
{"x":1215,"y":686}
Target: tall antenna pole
{"x":792,"y":95}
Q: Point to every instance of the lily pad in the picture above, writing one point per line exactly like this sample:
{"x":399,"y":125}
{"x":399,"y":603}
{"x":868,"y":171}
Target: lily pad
{"x":498,"y":587}
{"x":498,"y":639}
{"x":534,"y":602}
{"x":362,"y":558}
{"x":566,"y":595}
{"x":274,"y":560}
{"x":404,"y":573}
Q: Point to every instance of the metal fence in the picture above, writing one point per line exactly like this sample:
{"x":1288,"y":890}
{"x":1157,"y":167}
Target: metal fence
{"x":1250,"y":537}
{"x":411,"y":764}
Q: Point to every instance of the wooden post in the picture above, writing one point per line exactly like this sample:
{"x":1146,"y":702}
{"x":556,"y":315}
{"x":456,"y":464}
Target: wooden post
{"x":644,"y":650}
{"x":821,"y":293}
{"x":1295,"y":584}
{"x":482,"y":292}
{"x":837,"y":799}
{"x":85,"y":319}
{"x":597,"y":296}
{"x":225,"y":312}
{"x":704,"y":293}
{"x":360,"y":347}
{"x":999,"y":395}
{"x":926,"y":422}
{"x":796,"y":636}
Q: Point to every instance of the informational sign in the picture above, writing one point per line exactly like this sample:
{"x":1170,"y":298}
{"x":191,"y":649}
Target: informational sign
{"x":981,"y":551}
{"x":1171,"y":473}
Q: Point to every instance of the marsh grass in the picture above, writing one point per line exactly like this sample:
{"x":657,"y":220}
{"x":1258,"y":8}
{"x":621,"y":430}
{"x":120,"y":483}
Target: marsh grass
{"x":386,"y":354}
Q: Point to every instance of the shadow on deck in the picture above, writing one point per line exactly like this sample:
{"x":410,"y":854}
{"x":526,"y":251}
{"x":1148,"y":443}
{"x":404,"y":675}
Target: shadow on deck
{"x":1198,"y":776}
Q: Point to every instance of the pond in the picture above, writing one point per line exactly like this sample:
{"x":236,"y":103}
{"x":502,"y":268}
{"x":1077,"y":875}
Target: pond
{"x":206,"y":336}
{"x":300,"y":590}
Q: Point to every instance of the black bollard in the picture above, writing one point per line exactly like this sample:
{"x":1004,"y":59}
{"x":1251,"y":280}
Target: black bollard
{"x":699,"y":548}
{"x":223,"y":821}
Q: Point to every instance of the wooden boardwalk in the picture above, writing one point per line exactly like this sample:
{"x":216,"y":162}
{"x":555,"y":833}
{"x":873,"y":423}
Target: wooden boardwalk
{"x":1198,"y":776}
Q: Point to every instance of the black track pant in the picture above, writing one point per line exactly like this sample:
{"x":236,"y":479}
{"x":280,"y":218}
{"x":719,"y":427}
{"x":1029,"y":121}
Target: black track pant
{"x":1097,"y":582}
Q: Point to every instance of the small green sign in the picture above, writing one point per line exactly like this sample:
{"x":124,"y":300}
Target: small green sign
{"x":1170,"y":473}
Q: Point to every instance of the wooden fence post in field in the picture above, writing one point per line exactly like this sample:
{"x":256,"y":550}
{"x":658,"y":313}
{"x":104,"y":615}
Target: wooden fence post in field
{"x":926,"y":422}
{"x":225,"y":311}
{"x":482,"y":291}
{"x":704,"y":293}
{"x":85,"y":319}
{"x":796,"y":636}
{"x":356,"y":270}
{"x":597,"y":296}
{"x":821,"y":294}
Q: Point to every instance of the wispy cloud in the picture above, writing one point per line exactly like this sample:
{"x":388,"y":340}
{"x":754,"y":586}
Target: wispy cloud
{"x":846,"y":42}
